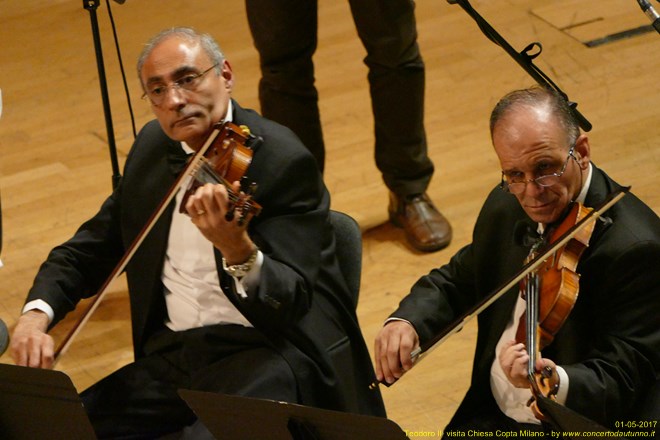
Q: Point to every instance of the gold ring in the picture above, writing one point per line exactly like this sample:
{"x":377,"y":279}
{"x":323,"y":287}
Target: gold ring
{"x":201,"y":212}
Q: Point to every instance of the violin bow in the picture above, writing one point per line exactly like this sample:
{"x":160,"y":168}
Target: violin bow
{"x":123,"y":262}
{"x":424,"y":349}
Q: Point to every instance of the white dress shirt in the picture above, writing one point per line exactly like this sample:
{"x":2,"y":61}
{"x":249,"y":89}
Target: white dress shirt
{"x":192,"y":287}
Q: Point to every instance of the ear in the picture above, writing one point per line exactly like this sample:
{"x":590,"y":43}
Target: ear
{"x":583,"y":151}
{"x":228,"y":75}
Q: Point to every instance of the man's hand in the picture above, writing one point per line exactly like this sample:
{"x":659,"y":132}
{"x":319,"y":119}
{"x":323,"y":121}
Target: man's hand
{"x":514,"y":359}
{"x":394,"y":343}
{"x":208,"y":208}
{"x":30,"y":345}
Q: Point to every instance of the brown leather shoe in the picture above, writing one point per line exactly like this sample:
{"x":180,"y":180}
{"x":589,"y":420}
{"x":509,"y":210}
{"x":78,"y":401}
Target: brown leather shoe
{"x":426,"y":228}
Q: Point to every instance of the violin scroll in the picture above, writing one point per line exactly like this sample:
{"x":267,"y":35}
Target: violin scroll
{"x":543,"y":383}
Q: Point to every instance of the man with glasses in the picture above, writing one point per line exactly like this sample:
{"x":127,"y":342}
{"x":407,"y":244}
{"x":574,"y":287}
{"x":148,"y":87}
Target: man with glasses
{"x":607,"y":353}
{"x":254,"y":307}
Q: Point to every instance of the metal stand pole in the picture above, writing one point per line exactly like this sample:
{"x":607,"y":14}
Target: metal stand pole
{"x":92,"y":6}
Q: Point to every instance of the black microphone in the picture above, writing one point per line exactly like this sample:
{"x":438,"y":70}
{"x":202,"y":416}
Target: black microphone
{"x":650,"y":13}
{"x":4,"y":337}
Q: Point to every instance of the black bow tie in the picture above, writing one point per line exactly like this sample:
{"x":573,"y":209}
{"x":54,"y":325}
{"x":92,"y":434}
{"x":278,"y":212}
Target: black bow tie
{"x":177,"y":159}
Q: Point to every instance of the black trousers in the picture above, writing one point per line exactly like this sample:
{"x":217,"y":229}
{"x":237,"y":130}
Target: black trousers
{"x":140,"y":400}
{"x":285,"y":35}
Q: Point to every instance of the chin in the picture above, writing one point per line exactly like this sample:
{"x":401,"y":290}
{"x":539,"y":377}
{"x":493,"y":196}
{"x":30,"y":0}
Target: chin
{"x":542,"y":216}
{"x":546,"y":211}
{"x":188,"y":134}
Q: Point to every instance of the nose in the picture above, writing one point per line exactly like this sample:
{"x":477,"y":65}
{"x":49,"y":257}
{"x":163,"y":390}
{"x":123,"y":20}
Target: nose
{"x":533,"y":189}
{"x":174,"y":96}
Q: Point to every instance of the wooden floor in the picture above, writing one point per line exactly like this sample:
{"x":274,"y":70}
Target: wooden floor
{"x":55,"y":168}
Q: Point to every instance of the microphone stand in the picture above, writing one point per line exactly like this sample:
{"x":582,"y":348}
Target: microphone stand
{"x":92,"y":6}
{"x":651,"y":13}
{"x":524,"y":58}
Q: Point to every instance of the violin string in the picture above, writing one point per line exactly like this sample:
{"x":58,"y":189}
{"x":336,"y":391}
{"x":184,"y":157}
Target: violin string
{"x":206,"y":174}
{"x":532,"y":322}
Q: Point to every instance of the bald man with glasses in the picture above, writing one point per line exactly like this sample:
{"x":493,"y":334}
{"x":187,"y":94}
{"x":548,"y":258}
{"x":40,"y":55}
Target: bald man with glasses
{"x":607,"y":352}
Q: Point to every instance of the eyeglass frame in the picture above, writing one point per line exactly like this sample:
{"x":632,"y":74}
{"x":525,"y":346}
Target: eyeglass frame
{"x":506,"y":186}
{"x":179,"y":84}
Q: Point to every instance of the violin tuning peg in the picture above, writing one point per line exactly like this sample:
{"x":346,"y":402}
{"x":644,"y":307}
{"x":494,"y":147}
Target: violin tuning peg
{"x":241,"y":220}
{"x":245,"y":210}
{"x":229,"y":215}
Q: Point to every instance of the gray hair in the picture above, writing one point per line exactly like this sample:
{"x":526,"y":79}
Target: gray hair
{"x":208,"y":43}
{"x":538,"y":96}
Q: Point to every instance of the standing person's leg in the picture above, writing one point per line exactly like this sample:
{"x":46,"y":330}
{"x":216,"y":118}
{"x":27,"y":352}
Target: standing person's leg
{"x":396,"y":79}
{"x":388,"y":31}
{"x":285,"y":35}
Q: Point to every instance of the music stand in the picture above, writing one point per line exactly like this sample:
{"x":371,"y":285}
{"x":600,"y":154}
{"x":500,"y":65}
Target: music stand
{"x":567,"y":420}
{"x":37,"y":403}
{"x":245,"y":418}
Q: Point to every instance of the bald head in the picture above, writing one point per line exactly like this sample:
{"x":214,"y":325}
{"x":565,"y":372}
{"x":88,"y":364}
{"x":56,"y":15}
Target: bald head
{"x":546,"y":104}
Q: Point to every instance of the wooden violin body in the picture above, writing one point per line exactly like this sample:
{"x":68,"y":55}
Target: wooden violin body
{"x":559,"y":281}
{"x":225,"y":161}
{"x":551,"y":292}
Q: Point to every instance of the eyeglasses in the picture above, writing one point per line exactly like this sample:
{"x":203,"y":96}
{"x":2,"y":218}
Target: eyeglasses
{"x":189,"y":82}
{"x":516,"y":185}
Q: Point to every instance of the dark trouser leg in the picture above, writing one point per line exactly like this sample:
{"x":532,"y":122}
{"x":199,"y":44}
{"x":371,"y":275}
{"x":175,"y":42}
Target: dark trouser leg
{"x":141,"y":401}
{"x":269,"y":377}
{"x":388,"y":31}
{"x":138,"y":401}
{"x":285,"y":35}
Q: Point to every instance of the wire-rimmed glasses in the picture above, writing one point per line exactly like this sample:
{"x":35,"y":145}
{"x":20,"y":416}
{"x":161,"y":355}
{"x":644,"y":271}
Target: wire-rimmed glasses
{"x":516,"y":185}
{"x":189,"y":82}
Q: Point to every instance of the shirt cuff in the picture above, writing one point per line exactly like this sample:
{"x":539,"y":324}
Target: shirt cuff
{"x":563,"y":385}
{"x":397,"y":319}
{"x":39,"y":304}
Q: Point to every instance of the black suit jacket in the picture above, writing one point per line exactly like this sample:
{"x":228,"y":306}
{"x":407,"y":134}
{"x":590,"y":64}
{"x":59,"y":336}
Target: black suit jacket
{"x":610,"y":343}
{"x":302,"y":304}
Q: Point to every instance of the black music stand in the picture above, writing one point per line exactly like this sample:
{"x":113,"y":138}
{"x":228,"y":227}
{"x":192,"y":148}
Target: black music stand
{"x":40,"y":404}
{"x":244,"y":418}
{"x":567,"y":420}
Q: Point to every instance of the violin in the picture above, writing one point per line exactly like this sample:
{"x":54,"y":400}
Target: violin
{"x":226,"y":161}
{"x":224,"y":158}
{"x":550,"y":292}
{"x":561,"y":241}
